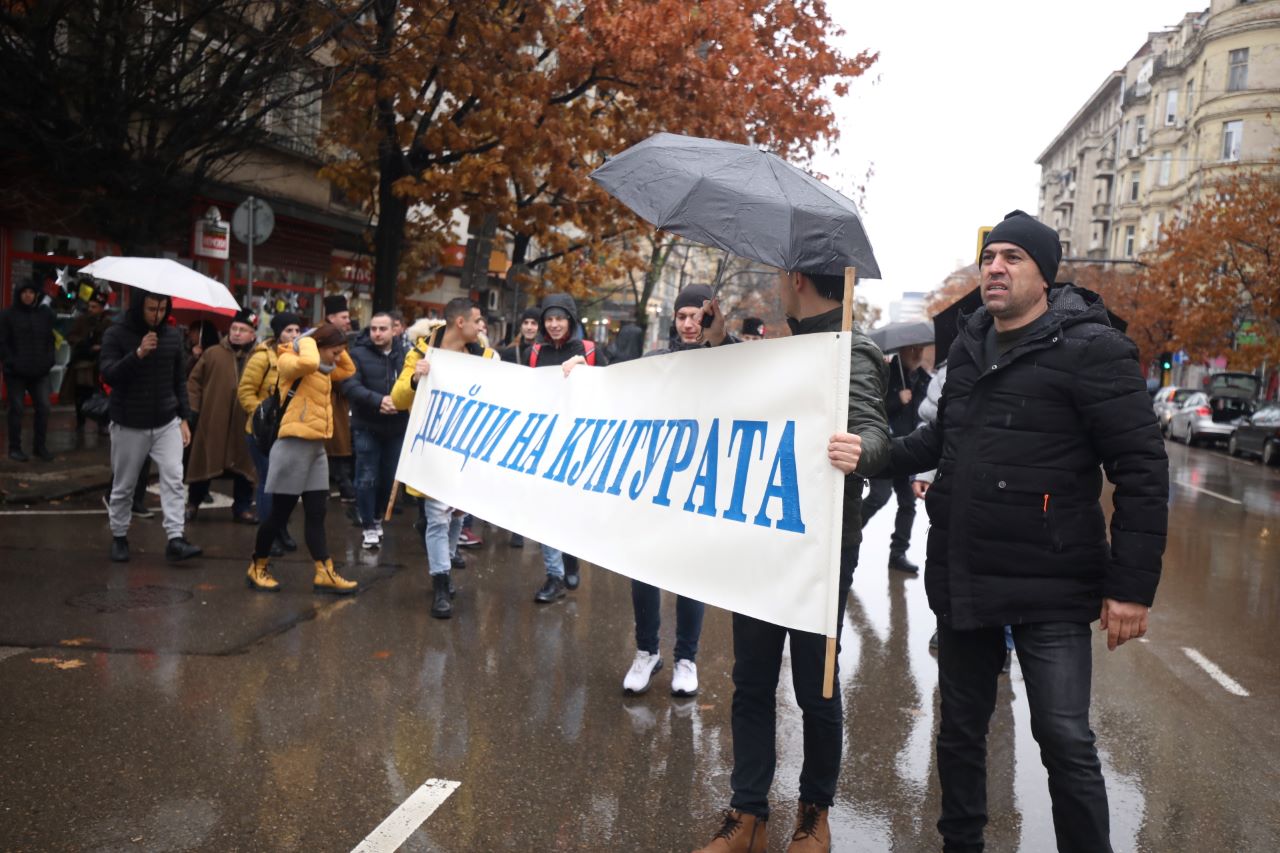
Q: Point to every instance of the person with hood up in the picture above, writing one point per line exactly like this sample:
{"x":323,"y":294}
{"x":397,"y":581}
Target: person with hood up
{"x":441,"y":525}
{"x":1042,"y":396}
{"x":562,"y":345}
{"x":259,"y":379}
{"x":143,"y":363}
{"x":85,"y":338}
{"x":628,"y":345}
{"x":298,"y":468}
{"x":377,"y":426}
{"x":218,"y":421}
{"x":687,"y":333}
{"x":26,"y":351}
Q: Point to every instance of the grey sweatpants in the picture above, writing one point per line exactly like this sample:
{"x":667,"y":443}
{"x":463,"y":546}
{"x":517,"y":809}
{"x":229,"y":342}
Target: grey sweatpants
{"x":129,"y":449}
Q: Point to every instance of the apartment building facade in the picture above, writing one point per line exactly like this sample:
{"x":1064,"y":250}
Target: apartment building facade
{"x":1197,"y":99}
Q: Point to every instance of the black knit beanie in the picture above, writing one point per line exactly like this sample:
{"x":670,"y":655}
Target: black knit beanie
{"x":334,"y":303}
{"x":532,"y":313}
{"x":285,"y":318}
{"x":1032,"y":236}
{"x":692,"y":297}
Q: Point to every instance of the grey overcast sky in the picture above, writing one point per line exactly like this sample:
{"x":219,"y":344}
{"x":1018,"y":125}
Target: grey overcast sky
{"x":952,"y":116}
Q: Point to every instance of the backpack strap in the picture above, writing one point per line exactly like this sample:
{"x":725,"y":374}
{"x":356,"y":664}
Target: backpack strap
{"x":533,"y":355}
{"x":589,"y":349}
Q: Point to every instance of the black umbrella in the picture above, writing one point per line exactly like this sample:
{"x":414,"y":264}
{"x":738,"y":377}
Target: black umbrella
{"x":946,"y":322}
{"x":896,"y":336}
{"x":742,"y":200}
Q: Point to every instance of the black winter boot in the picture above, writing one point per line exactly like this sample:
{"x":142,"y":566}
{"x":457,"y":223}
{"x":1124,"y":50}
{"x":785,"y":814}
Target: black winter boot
{"x":571,"y":575}
{"x":441,"y":600}
{"x":552,"y":590}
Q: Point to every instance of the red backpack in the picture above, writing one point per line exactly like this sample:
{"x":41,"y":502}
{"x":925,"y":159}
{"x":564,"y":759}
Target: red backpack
{"x":589,"y":348}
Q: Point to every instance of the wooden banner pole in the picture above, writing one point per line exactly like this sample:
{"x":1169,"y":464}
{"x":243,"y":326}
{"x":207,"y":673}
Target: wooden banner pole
{"x":391,"y":502}
{"x":846,"y":325}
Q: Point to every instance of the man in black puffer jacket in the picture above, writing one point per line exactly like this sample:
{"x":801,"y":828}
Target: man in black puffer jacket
{"x":1042,"y":396}
{"x":143,"y":363}
{"x":26,"y":350}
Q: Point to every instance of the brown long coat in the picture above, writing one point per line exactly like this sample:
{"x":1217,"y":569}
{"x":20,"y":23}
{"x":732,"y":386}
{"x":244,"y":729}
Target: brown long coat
{"x":340,"y":444}
{"x":218,"y":445}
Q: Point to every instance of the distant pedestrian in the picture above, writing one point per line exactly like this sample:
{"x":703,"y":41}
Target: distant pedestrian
{"x":298,"y":467}
{"x":338,"y":446}
{"x":142,"y":361}
{"x":628,"y":345}
{"x":259,"y":380}
{"x":753,"y":329}
{"x":217,"y":444}
{"x":85,"y":339}
{"x":526,"y":337}
{"x":26,"y":351}
{"x":377,"y":426}
{"x":1041,"y":396}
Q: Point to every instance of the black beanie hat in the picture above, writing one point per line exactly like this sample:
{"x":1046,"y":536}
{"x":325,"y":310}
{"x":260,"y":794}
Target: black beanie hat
{"x":692,"y":296}
{"x":1032,"y":236}
{"x":753,"y":326}
{"x":335,"y":303}
{"x":249,"y":318}
{"x":283,"y":319}
{"x":532,"y":313}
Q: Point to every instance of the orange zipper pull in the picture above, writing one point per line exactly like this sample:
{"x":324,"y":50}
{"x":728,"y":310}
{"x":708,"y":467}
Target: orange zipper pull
{"x":1046,"y":503}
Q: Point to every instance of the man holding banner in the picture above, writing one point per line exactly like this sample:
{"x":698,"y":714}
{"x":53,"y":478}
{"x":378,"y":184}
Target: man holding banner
{"x":812,"y":304}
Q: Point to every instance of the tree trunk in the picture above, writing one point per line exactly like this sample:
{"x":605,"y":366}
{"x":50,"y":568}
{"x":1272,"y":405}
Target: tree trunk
{"x":388,"y":235}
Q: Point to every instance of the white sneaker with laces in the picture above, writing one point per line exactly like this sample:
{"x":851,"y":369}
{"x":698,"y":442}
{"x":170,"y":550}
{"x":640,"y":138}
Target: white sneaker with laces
{"x":377,"y":525}
{"x":371,"y":539}
{"x":684,"y":680}
{"x":642,"y":670}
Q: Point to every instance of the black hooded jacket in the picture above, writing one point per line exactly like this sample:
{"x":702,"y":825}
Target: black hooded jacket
{"x":1021,"y":441}
{"x":550,"y":353}
{"x":26,"y":336}
{"x":146,"y":393}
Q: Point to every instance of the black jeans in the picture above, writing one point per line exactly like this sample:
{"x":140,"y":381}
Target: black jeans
{"x":646,"y":600}
{"x":241,"y":493}
{"x":18,"y":387}
{"x":1056,"y":659}
{"x":881,"y":488}
{"x":757,"y":660}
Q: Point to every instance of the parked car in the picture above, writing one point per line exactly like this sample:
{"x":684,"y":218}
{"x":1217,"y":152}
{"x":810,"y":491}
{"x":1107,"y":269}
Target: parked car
{"x":1232,"y":395}
{"x":1167,"y":401}
{"x":1258,"y":435}
{"x":1197,"y":421}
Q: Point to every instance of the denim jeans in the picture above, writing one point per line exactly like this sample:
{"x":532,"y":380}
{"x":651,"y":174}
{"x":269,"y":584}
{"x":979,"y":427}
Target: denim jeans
{"x":553,"y":560}
{"x":1056,"y":659}
{"x":261,"y":464}
{"x":878,"y":496}
{"x":757,"y":661}
{"x":377,"y":456}
{"x":646,"y":600}
{"x":441,"y":536}
{"x":18,"y":387}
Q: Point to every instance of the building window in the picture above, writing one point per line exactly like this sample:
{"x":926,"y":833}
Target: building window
{"x":1184,"y":155}
{"x":1166,"y":168}
{"x":1191,"y":97}
{"x":1238,"y":73}
{"x":1231,"y":133}
{"x":1140,"y":131}
{"x":1171,"y":107}
{"x":1128,"y":241}
{"x":1135,"y":183}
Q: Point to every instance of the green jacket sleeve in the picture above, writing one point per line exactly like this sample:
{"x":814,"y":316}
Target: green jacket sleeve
{"x":868,"y":377}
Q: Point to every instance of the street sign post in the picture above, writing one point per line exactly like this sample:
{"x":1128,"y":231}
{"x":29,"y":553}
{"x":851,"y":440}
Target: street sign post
{"x":252,"y":223}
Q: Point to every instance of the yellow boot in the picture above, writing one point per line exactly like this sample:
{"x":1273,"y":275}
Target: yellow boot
{"x":328,"y":580}
{"x":259,"y":578}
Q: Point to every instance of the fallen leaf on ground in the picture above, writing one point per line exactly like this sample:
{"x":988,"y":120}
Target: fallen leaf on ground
{"x":382,"y":655}
{"x":206,"y":587}
{"x":705,"y":707}
{"x":76,"y":641}
{"x":60,"y":663}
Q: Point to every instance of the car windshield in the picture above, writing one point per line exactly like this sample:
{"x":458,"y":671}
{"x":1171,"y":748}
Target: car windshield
{"x":1245,"y":382}
{"x":1181,"y":394}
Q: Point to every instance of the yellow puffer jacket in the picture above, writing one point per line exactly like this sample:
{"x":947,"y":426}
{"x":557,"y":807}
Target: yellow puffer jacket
{"x":258,"y":379}
{"x":310,"y":413}
{"x":403,"y":392}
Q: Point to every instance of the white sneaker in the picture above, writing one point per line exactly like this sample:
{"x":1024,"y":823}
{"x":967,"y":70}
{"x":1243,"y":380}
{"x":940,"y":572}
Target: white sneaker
{"x":684,"y":681}
{"x":371,"y":539}
{"x":642,"y":670}
{"x":377,"y":525}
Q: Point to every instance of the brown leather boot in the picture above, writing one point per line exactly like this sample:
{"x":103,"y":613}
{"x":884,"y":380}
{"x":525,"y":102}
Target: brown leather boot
{"x":812,"y":834}
{"x":259,"y":578}
{"x":327,"y":579}
{"x":739,"y":833}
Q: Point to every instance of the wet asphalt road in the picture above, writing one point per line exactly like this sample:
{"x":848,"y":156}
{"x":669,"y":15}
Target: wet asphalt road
{"x":145,"y":707}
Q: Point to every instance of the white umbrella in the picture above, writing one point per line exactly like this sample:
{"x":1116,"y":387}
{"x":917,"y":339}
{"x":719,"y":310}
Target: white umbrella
{"x":165,"y":277}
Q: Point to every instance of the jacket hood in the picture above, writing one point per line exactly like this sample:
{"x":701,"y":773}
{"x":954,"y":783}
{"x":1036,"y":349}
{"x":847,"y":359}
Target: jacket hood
{"x":134,"y":315}
{"x":23,"y":286}
{"x":564,"y":302}
{"x":630,"y":343}
{"x":1069,"y":305}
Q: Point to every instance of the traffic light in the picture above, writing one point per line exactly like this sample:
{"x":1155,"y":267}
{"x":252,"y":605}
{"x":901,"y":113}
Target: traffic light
{"x":1166,"y":361}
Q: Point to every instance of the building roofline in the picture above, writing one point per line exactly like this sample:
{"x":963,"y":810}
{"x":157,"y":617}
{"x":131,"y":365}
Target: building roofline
{"x":1114,"y":79}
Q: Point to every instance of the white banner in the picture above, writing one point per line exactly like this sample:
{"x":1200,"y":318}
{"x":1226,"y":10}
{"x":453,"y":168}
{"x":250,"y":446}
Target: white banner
{"x":703,"y":472}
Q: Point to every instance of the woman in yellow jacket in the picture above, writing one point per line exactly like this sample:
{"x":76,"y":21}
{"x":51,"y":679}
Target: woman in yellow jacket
{"x":298,"y":467}
{"x":258,"y":381}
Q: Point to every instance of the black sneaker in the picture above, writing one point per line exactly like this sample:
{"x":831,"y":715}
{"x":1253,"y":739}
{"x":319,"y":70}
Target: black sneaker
{"x":552,"y":590}
{"x":457,"y":561}
{"x":180,"y":549}
{"x":140,"y":510}
{"x":119,"y":549}
{"x":18,"y":456}
{"x":572,"y":578}
{"x":44,"y":454}
{"x":441,"y":598}
{"x":286,"y":540}
{"x":900,"y":563}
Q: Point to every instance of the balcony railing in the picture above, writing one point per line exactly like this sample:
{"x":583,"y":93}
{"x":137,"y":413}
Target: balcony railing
{"x":1102,"y":210}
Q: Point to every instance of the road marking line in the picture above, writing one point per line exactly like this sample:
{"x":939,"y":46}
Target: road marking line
{"x":54,"y":512}
{"x":1211,"y":494}
{"x":9,"y":651}
{"x":406,"y":819}
{"x":1227,"y":683}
